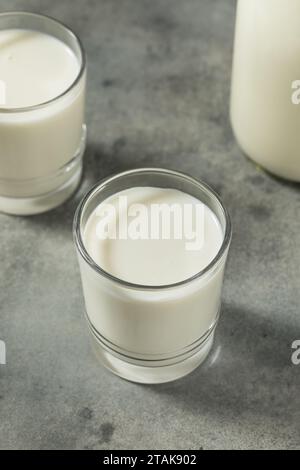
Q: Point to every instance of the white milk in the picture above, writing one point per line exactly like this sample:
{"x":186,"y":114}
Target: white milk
{"x":266,"y":62}
{"x":152,"y":322}
{"x":36,"y":67}
{"x":37,"y":143}
{"x":148,"y":261}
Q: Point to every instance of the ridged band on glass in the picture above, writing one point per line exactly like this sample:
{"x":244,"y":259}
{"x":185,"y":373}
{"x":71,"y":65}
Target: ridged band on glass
{"x":153,"y":360}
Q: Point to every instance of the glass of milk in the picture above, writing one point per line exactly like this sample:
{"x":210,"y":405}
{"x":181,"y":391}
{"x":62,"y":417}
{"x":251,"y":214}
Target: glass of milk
{"x":265,"y":67}
{"x":42,"y":97}
{"x":151,"y":276}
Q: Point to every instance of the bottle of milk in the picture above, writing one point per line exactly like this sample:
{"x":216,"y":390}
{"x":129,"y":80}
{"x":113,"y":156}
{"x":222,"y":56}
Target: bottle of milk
{"x":265,"y":113}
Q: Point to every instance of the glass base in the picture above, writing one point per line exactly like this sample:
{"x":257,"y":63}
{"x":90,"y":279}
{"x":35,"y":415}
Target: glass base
{"x":154,"y":374}
{"x":43,"y":203}
{"x":42,"y":194}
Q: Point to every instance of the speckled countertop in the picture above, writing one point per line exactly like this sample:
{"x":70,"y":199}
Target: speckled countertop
{"x":158,"y":92}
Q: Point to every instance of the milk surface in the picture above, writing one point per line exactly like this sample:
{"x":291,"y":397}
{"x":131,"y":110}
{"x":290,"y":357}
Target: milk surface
{"x":35,"y":67}
{"x":148,"y":261}
{"x":266,"y":62}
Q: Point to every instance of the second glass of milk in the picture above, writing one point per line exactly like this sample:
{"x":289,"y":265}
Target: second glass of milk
{"x":152,"y":303}
{"x":42,"y":98}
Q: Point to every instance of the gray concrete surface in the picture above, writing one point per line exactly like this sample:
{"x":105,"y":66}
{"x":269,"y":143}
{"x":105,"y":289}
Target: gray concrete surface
{"x":159,"y":79}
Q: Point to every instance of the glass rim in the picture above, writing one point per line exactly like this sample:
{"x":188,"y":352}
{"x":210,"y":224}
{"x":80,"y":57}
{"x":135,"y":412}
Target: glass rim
{"x":110,"y":179}
{"x":3,"y":109}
